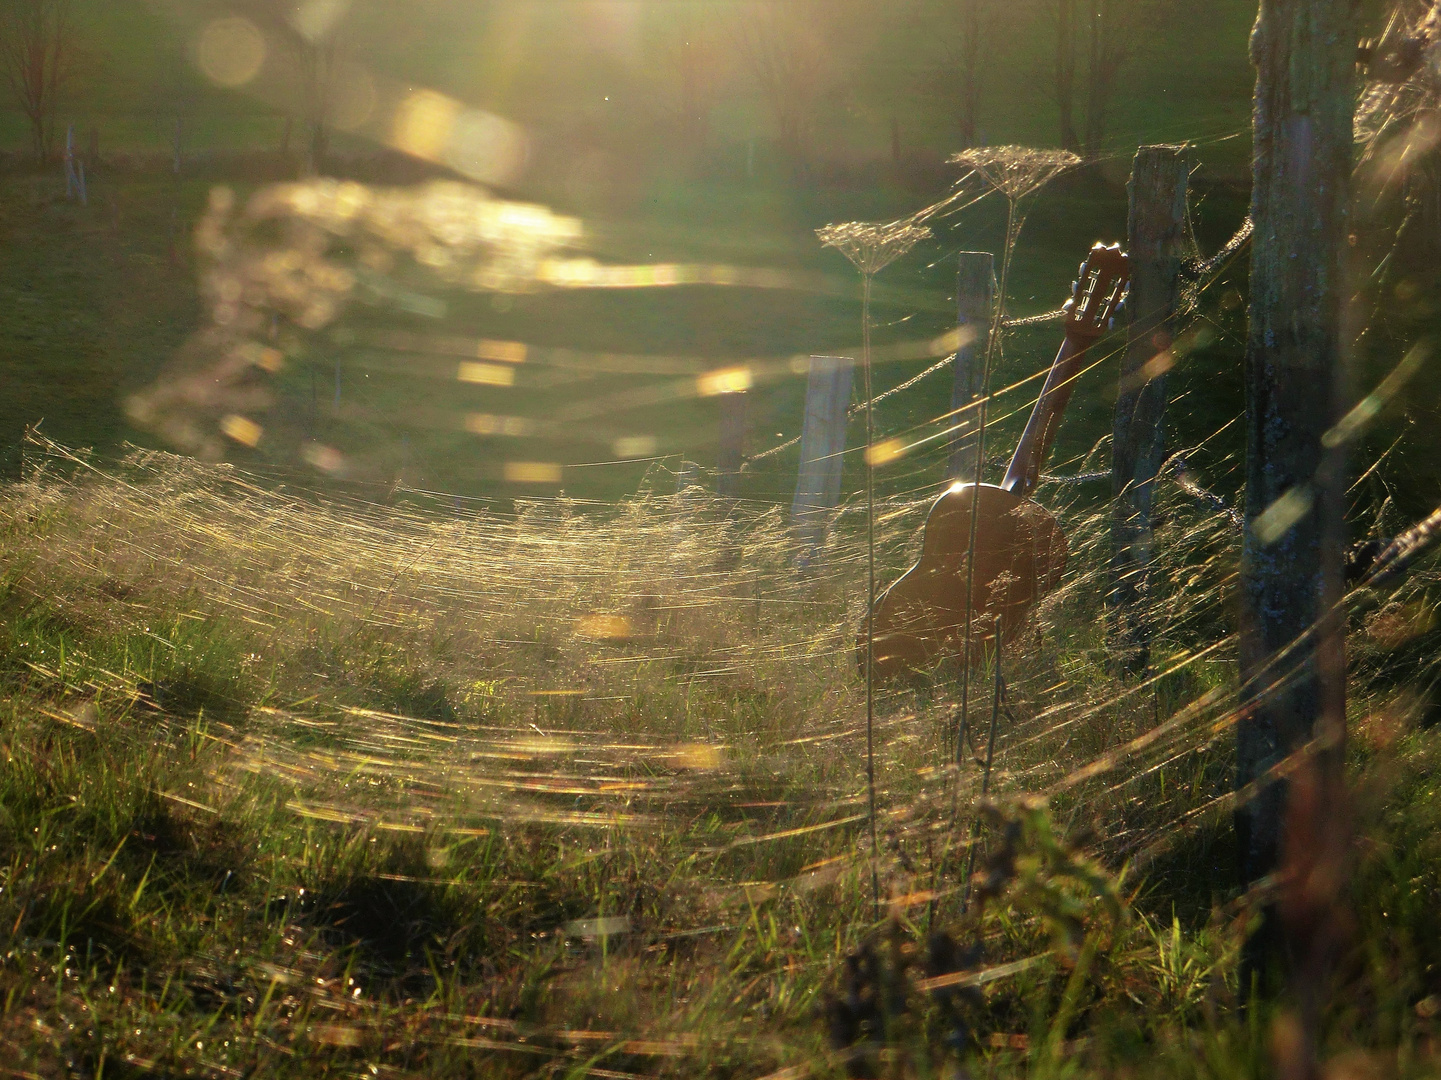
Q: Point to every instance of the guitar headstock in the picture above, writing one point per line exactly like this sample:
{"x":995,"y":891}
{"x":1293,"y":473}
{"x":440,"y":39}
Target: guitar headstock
{"x":1098,"y":290}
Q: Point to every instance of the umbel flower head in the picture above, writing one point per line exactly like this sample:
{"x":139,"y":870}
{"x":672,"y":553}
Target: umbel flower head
{"x":872,"y":246}
{"x":1016,"y":171}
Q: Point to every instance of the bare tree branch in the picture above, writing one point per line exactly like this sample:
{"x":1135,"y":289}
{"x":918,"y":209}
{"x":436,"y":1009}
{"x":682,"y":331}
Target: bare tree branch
{"x":781,"y":46}
{"x":37,"y":61}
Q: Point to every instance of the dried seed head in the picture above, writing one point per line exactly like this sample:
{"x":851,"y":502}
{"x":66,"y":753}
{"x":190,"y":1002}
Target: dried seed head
{"x":1016,"y":171}
{"x":872,"y":246}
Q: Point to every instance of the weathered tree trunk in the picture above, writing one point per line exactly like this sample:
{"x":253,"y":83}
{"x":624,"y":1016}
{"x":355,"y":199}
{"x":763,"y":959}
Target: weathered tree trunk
{"x":1293,"y":688}
{"x":1066,"y":72}
{"x":1159,"y":180}
{"x":975,"y":307}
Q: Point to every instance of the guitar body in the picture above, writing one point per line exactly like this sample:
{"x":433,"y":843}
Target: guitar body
{"x":1020,"y":551}
{"x":1020,"y":555}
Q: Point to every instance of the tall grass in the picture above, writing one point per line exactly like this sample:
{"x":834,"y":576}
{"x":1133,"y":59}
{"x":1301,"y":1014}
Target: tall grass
{"x":302,"y":787}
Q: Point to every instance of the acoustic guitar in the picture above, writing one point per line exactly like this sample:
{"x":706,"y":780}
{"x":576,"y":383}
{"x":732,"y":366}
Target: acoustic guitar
{"x":1020,"y":550}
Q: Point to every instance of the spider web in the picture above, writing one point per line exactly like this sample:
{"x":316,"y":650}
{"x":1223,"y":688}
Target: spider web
{"x":663,"y":667}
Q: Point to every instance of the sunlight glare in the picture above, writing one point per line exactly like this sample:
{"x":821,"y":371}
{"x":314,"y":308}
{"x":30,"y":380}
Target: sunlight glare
{"x":734,"y":380}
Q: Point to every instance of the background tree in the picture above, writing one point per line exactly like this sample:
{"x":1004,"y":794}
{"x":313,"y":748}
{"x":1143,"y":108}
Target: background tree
{"x":37,"y":51}
{"x":311,"y":34}
{"x":1064,"y":74}
{"x":1117,"y":29}
{"x":1112,"y":32}
{"x":317,"y":74}
{"x":688,"y":73}
{"x":784,"y":49}
{"x":970,"y":70}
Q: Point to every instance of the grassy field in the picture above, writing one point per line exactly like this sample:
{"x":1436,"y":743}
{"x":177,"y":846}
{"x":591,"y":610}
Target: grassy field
{"x":300,"y":787}
{"x":402,"y":769}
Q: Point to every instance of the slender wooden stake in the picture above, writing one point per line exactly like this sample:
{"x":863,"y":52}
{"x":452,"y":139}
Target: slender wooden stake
{"x":69,"y":158}
{"x":975,"y":304}
{"x":823,"y":441}
{"x":732,"y":444}
{"x":1159,"y":181}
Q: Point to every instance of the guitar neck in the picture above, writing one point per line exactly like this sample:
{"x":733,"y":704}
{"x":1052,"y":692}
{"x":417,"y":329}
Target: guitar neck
{"x":1025,"y":468}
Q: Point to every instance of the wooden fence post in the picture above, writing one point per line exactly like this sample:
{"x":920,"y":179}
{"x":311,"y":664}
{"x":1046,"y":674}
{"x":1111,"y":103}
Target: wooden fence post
{"x":823,"y":441}
{"x":732,"y":444}
{"x":975,"y":306}
{"x":1159,"y":181}
{"x":1292,"y":653}
{"x":72,"y":184}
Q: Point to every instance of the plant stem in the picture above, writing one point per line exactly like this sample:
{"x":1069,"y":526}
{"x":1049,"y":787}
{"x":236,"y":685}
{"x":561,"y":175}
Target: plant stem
{"x":992,"y":343}
{"x":998,"y":689}
{"x":870,"y":585}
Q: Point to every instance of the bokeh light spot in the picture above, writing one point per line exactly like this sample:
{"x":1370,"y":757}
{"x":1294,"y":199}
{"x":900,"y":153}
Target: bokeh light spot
{"x":242,"y":430}
{"x":532,"y":472}
{"x":487,"y":424}
{"x":883,"y":453}
{"x":325,"y":458}
{"x":736,"y":380}
{"x":605,"y":627}
{"x":635,"y":446}
{"x":699,"y":757}
{"x":315,"y":19}
{"x":507,"y":352}
{"x":231,"y":51}
{"x":354,"y":98}
{"x":423,"y":124}
{"x":1279,"y":518}
{"x":485,"y":147}
{"x":486,"y":374}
